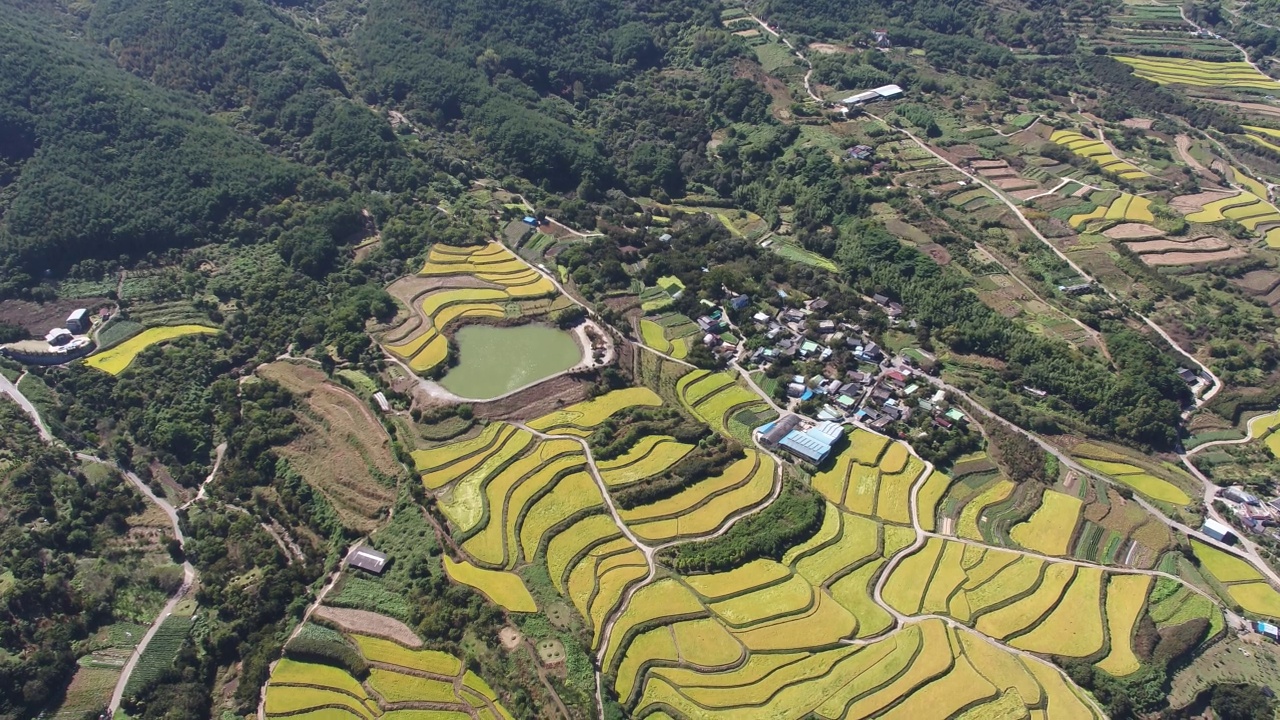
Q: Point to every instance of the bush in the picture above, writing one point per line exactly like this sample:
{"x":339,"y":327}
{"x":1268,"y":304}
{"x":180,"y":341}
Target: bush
{"x":319,"y":644}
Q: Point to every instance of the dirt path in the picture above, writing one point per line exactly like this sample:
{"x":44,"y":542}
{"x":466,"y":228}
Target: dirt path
{"x":1183,"y":143}
{"x":189,"y":576}
{"x":1216,"y":381}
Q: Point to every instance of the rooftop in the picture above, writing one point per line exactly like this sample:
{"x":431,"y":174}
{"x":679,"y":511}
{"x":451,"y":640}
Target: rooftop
{"x":368,"y":559}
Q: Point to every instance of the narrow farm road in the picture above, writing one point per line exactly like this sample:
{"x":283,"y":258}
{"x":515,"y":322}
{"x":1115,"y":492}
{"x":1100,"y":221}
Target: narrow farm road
{"x":1217,"y":382}
{"x":188,"y":575}
{"x":1248,"y":438}
{"x":217,"y":463}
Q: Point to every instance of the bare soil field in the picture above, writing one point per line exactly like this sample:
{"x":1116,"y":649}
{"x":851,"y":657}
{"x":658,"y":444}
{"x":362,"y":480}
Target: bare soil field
{"x":1132,"y":231}
{"x":1004,"y":172}
{"x":1159,"y":246}
{"x":370,"y":623}
{"x":1183,"y":143}
{"x":937,"y":253}
{"x":1186,"y":258}
{"x":964,"y":152}
{"x":39,"y":318}
{"x":1025,"y":194}
{"x":1137,"y":123}
{"x":988,"y":164}
{"x":341,"y":447}
{"x":1259,"y":282}
{"x":539,"y":400}
{"x":829,"y":49}
{"x":1016,"y":183}
{"x":1194,"y":203}
{"x":1259,"y":108}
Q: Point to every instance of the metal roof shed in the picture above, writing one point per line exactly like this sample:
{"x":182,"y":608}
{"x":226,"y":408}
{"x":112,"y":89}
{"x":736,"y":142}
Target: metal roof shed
{"x":368,"y":559}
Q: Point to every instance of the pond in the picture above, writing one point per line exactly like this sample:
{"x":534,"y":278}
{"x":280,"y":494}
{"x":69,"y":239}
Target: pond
{"x":496,"y":360}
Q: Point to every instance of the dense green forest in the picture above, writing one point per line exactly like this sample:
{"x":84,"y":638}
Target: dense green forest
{"x":63,"y":571}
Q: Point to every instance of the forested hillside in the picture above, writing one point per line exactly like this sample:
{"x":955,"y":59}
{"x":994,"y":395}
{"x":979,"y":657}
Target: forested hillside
{"x":104,"y":164}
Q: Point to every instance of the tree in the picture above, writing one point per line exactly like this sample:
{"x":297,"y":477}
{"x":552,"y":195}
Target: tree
{"x":1241,"y":702}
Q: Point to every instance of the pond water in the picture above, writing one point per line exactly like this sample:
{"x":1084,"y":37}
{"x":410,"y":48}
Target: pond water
{"x":496,"y":360}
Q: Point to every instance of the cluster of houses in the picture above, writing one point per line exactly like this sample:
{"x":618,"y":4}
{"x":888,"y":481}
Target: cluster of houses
{"x":878,"y":396}
{"x":716,"y":333}
{"x":60,"y":344}
{"x":1253,"y":513}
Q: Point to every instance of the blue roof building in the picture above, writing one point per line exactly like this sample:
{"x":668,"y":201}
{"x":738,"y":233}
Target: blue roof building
{"x":813,"y":444}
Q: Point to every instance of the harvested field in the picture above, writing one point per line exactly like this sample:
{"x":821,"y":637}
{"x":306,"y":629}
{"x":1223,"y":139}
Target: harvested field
{"x":343,"y":448}
{"x":364,"y":622}
{"x":1207,"y":243}
{"x":1132,"y":231}
{"x":1186,"y":258}
{"x":1188,"y":204}
{"x":1016,"y":183}
{"x":1259,"y":282}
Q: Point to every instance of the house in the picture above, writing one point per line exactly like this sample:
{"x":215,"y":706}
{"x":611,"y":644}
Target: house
{"x":78,"y":321}
{"x":858,"y":377}
{"x":884,"y":92}
{"x":846,"y":402}
{"x":368,"y":560}
{"x":808,"y":347}
{"x":827,"y":326}
{"x":58,"y":336}
{"x":859,"y":152}
{"x":872,"y":350}
{"x":911,"y":389}
{"x":943,"y":423}
{"x":796,"y":390}
{"x":665,"y":237}
{"x":1218,"y":531}
{"x":814,"y":444}
{"x":896,"y":378}
{"x":880,"y":299}
{"x":881,"y":393}
{"x":1189,"y":377}
{"x":955,"y":415}
{"x":530,"y":220}
{"x":739,"y":301}
{"x":761,"y":318}
{"x":817,"y":305}
{"x":894,"y":310}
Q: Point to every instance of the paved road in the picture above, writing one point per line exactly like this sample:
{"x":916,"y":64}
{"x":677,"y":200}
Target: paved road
{"x":8,"y":388}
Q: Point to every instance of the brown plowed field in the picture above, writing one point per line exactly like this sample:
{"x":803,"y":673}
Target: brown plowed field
{"x":1016,"y":183}
{"x":1187,"y":258}
{"x":1132,"y":231}
{"x":1259,"y":282}
{"x":999,"y":172}
{"x":1194,"y":203}
{"x":341,"y":447}
{"x":1160,"y":246}
{"x":369,"y":623}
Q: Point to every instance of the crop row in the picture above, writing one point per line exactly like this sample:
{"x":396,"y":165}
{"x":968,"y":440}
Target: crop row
{"x":1097,"y":151}
{"x":1202,"y":73}
{"x":651,"y":456}
{"x":706,"y":505}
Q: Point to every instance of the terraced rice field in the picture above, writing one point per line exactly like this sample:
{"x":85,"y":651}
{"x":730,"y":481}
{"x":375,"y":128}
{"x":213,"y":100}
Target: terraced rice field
{"x":704,"y":506}
{"x":715,"y":397}
{"x":503,"y":588}
{"x":116,"y":359}
{"x":418,"y":684}
{"x":1099,"y":152}
{"x":871,"y":477}
{"x":1052,"y":527}
{"x":420,"y":340}
{"x":651,"y":456}
{"x":1244,"y":585}
{"x":1127,"y":207}
{"x":670,"y":334}
{"x":581,"y":419}
{"x":1140,"y":480}
{"x":1199,"y":73}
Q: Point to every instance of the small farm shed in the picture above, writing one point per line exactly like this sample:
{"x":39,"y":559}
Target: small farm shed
{"x":368,"y":560}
